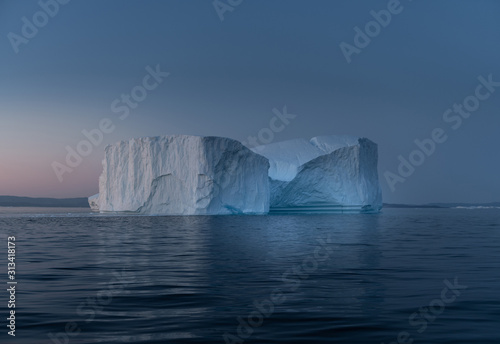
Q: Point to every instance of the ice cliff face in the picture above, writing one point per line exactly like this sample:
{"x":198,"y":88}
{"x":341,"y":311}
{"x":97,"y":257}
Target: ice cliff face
{"x":324,"y":174}
{"x":183,"y":175}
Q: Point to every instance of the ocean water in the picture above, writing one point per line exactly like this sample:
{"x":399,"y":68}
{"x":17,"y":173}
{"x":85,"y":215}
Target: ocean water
{"x":402,"y":276}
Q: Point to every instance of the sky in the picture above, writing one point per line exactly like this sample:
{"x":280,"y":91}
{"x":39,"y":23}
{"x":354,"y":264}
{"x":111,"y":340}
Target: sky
{"x":231,"y":68}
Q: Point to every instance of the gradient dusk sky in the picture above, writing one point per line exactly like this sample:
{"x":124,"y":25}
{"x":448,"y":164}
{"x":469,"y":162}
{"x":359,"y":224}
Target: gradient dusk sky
{"x":226,"y":77}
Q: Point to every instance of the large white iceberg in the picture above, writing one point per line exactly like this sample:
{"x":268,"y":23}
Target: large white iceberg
{"x":183,"y":175}
{"x":192,"y":175}
{"x":324,"y":174}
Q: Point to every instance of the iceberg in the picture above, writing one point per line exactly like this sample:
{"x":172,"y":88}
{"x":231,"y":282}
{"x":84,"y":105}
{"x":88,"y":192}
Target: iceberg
{"x":195,"y":175}
{"x":323,"y":174}
{"x":182,"y":175}
{"x":94,"y":202}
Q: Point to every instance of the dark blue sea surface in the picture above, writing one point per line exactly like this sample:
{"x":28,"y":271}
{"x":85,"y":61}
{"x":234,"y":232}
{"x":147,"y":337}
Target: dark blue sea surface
{"x":405,"y":275}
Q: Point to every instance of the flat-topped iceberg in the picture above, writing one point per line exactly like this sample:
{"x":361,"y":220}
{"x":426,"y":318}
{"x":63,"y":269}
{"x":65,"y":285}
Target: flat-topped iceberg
{"x":324,"y":174}
{"x":192,"y":175}
{"x":183,"y":175}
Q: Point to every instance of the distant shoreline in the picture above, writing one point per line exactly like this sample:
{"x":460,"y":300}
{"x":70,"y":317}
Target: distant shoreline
{"x":442,"y":205}
{"x":392,"y":205}
{"x":15,"y":201}
{"x":82,"y":202}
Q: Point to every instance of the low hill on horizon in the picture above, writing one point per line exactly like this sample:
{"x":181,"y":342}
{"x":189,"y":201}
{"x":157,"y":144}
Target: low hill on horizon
{"x":15,"y":201}
{"x":441,"y":205}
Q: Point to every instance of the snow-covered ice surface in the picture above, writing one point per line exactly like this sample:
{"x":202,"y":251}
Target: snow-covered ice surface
{"x":324,"y":174}
{"x":183,"y":175}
